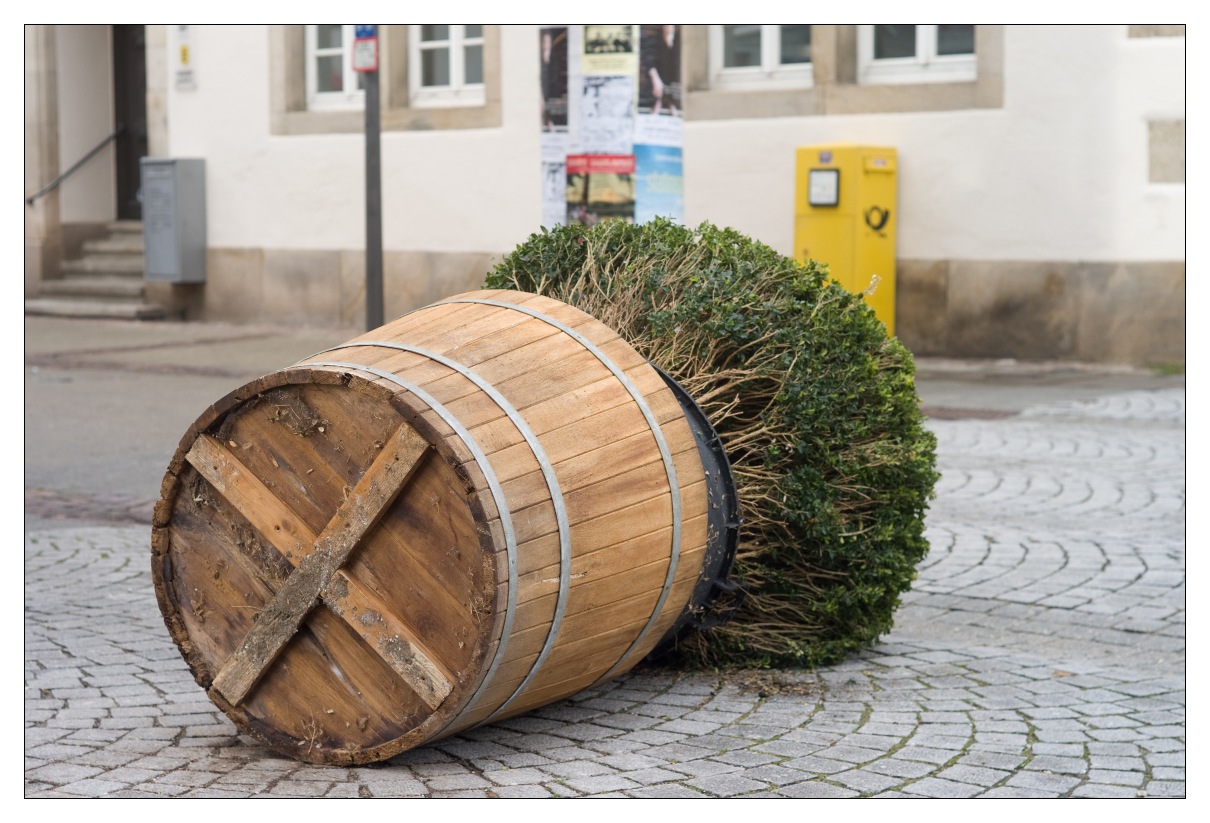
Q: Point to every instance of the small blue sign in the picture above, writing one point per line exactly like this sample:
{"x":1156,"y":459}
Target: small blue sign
{"x":365,"y":31}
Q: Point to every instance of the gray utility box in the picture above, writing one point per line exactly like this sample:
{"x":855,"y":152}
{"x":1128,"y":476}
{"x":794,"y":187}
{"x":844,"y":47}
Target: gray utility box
{"x":174,"y":219}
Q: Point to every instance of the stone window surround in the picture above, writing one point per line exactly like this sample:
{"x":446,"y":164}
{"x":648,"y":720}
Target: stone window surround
{"x":836,"y":89}
{"x":288,"y":112}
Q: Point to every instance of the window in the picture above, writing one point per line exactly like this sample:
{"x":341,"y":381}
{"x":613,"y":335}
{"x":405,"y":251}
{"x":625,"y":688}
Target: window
{"x":765,"y":56}
{"x":916,"y":54}
{"x":446,"y":65}
{"x":331,"y":81}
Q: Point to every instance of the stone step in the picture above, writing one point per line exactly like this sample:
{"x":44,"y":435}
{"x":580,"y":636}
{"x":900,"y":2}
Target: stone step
{"x":101,"y":287}
{"x":116,"y":264}
{"x":115,"y":244}
{"x":114,"y":310}
{"x":125,"y":227}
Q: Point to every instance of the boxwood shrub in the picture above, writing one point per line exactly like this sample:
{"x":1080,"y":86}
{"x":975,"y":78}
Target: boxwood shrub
{"x":815,"y":404}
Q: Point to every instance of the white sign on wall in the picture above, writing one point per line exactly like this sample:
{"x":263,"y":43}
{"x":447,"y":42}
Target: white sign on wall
{"x":183,"y":75}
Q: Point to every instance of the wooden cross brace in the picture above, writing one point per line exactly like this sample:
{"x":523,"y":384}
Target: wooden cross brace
{"x":318,"y":576}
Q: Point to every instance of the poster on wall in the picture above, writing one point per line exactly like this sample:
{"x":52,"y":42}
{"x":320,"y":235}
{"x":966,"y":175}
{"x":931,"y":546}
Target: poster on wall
{"x":609,"y":50}
{"x":554,"y":193}
{"x":555,"y":140}
{"x":600,"y":187}
{"x":607,"y":115}
{"x":660,"y":107}
{"x":553,"y":49}
{"x":659,"y":183}
{"x":611,"y":123}
{"x":660,"y":70}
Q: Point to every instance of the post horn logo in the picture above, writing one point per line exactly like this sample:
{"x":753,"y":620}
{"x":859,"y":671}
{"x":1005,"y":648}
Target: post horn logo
{"x":876,"y":218}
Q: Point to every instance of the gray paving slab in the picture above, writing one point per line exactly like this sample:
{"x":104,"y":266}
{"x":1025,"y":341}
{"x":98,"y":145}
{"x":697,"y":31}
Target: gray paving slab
{"x":1041,"y":652}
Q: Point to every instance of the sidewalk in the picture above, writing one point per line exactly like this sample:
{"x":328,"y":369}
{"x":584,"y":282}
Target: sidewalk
{"x":1041,"y":653}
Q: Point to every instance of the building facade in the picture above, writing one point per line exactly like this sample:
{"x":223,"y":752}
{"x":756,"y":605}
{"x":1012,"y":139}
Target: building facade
{"x":1041,"y":169}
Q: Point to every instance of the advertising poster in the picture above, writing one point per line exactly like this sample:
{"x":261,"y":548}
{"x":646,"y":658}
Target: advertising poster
{"x":554,"y":194}
{"x":607,"y":115}
{"x":660,"y":70}
{"x":553,"y":51}
{"x":660,"y":107}
{"x":609,"y":50}
{"x":659,"y":183}
{"x":600,"y":187}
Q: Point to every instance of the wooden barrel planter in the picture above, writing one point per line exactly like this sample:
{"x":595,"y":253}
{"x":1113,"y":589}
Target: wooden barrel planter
{"x":485,"y":506}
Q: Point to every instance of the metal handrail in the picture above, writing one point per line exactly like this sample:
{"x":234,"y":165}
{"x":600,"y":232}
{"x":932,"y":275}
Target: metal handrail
{"x":59,"y":180}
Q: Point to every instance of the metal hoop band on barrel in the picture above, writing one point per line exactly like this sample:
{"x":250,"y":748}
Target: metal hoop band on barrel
{"x":548,"y":473}
{"x":661,"y":443}
{"x":506,"y":521}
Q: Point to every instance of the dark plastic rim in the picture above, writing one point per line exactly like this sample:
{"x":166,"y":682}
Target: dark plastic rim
{"x":715,"y":599}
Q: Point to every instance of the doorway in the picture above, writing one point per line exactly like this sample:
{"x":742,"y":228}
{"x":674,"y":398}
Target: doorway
{"x":130,"y":111}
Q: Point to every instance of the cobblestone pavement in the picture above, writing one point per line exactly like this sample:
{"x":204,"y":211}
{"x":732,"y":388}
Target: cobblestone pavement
{"x":1041,"y":653}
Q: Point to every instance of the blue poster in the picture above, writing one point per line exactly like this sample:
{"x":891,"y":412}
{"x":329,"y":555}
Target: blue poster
{"x":659,"y":183}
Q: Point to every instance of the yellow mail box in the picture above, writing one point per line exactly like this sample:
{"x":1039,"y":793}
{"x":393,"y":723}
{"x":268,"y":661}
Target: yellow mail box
{"x":845,"y":215}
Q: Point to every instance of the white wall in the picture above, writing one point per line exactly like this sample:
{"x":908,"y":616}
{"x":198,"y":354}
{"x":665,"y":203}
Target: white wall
{"x":85,"y":78}
{"x":466,"y":190}
{"x":1058,"y":173}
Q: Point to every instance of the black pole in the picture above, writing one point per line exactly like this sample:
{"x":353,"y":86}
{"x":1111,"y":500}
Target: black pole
{"x":374,"y":308}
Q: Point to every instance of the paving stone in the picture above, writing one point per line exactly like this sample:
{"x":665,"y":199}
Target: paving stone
{"x":1015,"y":792}
{"x":295,"y":788}
{"x":393,"y":786}
{"x":703,"y":768}
{"x":60,"y":774}
{"x":521,"y":792}
{"x":514,"y":777}
{"x":1165,"y":788}
{"x":727,"y":785}
{"x":866,"y":781}
{"x":974,"y":775}
{"x":577,"y":768}
{"x":992,"y":760}
{"x":1168,"y":773}
{"x":816,"y":789}
{"x":92,"y":787}
{"x":904,"y":769}
{"x":602,"y":783}
{"x":188,"y":778}
{"x":926,"y":754}
{"x":631,"y":762}
{"x":648,"y":777}
{"x":1156,"y":759}
{"x":522,"y":760}
{"x":615,"y":746}
{"x":455,"y":782}
{"x":817,"y":765}
{"x":688,"y":727}
{"x":939,"y":788}
{"x":1043,"y":782}
{"x":1093,"y":789}
{"x":1059,"y":765}
{"x":746,"y":758}
{"x":667,"y":791}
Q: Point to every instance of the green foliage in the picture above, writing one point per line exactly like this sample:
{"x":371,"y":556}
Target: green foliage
{"x":816,"y":405}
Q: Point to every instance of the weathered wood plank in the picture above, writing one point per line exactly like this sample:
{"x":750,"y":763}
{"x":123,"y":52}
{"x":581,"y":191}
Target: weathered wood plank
{"x":280,"y":620}
{"x":390,"y":637}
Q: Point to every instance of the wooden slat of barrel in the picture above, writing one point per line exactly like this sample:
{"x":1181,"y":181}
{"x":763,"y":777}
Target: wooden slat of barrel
{"x":453,"y":379}
{"x":441,"y":586}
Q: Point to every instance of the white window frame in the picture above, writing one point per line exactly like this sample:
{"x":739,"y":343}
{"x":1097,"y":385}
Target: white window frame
{"x":458,"y":92}
{"x":925,"y":67}
{"x":350,"y":97}
{"x":769,"y":74}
